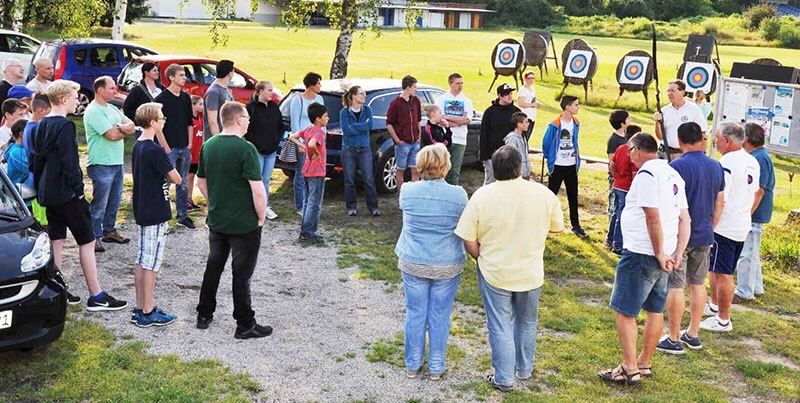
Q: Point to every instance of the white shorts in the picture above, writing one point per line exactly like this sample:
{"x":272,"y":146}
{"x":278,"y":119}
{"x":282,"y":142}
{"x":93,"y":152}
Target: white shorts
{"x":152,"y":240}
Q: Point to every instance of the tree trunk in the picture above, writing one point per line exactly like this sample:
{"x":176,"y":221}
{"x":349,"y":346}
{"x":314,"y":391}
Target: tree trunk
{"x":120,"y":9}
{"x":345,"y":39}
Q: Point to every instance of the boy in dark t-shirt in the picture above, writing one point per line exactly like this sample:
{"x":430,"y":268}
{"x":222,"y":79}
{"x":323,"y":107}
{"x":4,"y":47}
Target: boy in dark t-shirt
{"x":152,"y":174}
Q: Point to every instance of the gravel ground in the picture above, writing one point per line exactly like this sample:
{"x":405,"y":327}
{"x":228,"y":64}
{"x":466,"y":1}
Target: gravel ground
{"x":319,"y":313}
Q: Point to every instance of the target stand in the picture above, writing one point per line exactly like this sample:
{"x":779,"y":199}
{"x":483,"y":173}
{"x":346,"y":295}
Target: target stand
{"x":579,"y":65}
{"x":537,"y":44}
{"x":507,"y":59}
{"x":700,"y":73}
{"x":635,"y":73}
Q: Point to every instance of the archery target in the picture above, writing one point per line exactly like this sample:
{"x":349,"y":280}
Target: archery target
{"x":578,"y":63}
{"x":507,"y":55}
{"x":698,"y":76}
{"x":634,"y":70}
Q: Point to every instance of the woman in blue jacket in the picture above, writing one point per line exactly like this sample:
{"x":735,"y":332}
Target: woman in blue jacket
{"x":356,"y":121}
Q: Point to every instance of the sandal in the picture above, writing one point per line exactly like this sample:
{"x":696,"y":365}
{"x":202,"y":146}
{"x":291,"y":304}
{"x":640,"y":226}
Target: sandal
{"x":621,"y":376}
{"x":645,"y":371}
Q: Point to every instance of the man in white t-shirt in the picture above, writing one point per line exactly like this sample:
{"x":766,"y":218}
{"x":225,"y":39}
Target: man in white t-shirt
{"x":676,"y":113}
{"x":526,"y":100}
{"x":742,"y":174}
{"x":457,"y":111}
{"x":655,"y":231}
{"x":44,"y":74}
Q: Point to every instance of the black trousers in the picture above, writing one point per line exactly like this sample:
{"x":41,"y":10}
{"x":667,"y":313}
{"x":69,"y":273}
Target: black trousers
{"x":244,"y":248}
{"x":568,"y":175}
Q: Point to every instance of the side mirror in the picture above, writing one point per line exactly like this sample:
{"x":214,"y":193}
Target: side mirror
{"x":27,"y":192}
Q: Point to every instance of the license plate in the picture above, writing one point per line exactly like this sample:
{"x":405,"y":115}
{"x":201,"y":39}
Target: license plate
{"x":5,"y":319}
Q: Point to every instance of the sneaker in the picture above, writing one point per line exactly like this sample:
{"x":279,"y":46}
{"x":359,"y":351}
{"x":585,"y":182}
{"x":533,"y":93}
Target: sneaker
{"x":709,"y":311}
{"x":352,"y":213}
{"x":271,"y":215}
{"x":191,"y":206}
{"x":73,"y":299}
{"x":579,"y":232}
{"x":715,"y":324}
{"x":187,"y":222}
{"x":524,"y":378}
{"x":693,"y":343}
{"x":104,"y":302}
{"x":98,"y":247}
{"x":135,"y":313}
{"x":436,"y":377}
{"x":496,"y":386}
{"x":318,"y":240}
{"x":739,"y":300}
{"x":666,"y":345}
{"x":311,"y":239}
{"x":413,"y":374}
{"x":204,"y":321}
{"x":155,"y":318}
{"x":376,"y":213}
{"x":115,"y":237}
{"x":255,"y":332}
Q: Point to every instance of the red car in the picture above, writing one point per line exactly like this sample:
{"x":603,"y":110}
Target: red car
{"x":200,"y":73}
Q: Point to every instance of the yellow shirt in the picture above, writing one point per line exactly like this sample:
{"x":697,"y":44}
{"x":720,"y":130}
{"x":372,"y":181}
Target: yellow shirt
{"x":511,"y":219}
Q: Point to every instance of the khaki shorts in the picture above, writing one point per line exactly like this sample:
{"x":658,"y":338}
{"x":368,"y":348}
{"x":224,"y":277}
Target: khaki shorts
{"x":694,"y":267}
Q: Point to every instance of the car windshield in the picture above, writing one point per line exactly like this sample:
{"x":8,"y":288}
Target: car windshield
{"x":131,"y":75}
{"x":10,"y":208}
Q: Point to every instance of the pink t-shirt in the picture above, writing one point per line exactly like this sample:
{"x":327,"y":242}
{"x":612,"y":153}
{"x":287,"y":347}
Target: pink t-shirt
{"x":315,"y":163}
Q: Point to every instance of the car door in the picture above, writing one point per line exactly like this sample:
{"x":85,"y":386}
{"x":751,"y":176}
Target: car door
{"x":19,"y":47}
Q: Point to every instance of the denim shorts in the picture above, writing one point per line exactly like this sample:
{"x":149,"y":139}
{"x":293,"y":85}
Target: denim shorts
{"x":639,"y":284}
{"x":725,"y":253}
{"x":151,"y":246}
{"x":694,"y":267}
{"x":406,"y":155}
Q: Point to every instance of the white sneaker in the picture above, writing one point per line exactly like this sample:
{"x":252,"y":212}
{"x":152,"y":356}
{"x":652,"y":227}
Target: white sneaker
{"x":271,"y":215}
{"x":708,"y":311}
{"x":714,"y":324}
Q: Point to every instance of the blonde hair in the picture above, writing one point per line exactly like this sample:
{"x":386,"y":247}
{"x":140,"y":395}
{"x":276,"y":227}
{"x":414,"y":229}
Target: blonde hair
{"x":59,"y":89}
{"x":196,"y":99}
{"x":147,"y":113}
{"x":430,"y":108}
{"x":433,"y":162}
{"x":699,"y":94}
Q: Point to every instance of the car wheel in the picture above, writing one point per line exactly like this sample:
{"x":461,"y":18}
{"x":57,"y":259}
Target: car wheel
{"x":385,"y":179}
{"x":84,"y":98}
{"x":288,"y":172}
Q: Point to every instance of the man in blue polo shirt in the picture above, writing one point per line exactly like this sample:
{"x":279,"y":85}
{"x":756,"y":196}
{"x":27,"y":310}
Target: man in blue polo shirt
{"x":705,"y":195}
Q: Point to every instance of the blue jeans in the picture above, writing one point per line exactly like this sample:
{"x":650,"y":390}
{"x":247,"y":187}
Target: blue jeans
{"x":312,"y":207}
{"x":299,"y":182}
{"x":639,"y":283}
{"x":181,"y":159}
{"x":107,"y":183}
{"x":619,"y":199}
{"x":749,"y":279}
{"x":358,"y":158}
{"x":512,"y":318}
{"x":428,"y":305}
{"x":267,"y":165}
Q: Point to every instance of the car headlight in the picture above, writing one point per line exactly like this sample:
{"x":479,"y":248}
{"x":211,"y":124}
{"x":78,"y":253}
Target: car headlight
{"x":39,"y":256}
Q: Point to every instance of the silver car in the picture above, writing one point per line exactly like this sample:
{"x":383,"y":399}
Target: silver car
{"x":20,"y":46}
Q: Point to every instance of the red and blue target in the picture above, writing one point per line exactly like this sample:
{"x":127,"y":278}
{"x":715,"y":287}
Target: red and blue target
{"x":578,"y":64}
{"x":697,"y":77}
{"x":633,"y":70}
{"x":507,"y":55}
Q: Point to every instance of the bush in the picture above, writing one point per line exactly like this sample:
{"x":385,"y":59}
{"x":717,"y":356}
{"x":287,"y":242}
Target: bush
{"x":630,"y":8}
{"x":789,"y":37}
{"x":524,"y":13}
{"x":710,"y":27}
{"x":770,"y":28}
{"x":756,"y":14}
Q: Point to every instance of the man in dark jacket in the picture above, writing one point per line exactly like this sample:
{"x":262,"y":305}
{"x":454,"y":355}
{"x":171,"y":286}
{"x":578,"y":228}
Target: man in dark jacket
{"x":496,"y":124}
{"x":146,"y":91}
{"x":265,"y":131}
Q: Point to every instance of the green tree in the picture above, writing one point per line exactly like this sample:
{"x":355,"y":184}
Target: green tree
{"x":524,"y":13}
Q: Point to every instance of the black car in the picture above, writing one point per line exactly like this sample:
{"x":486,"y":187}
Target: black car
{"x":33,"y":303}
{"x":380,"y":92}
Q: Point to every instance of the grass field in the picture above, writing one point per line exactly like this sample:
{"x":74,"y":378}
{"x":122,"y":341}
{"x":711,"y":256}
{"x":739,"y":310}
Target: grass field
{"x":757,"y":362}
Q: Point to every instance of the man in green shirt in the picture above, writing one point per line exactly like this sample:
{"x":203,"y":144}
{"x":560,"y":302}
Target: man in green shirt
{"x":237,"y":203}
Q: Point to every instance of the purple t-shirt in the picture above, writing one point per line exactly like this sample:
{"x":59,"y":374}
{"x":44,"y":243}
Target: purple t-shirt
{"x":150,"y":165}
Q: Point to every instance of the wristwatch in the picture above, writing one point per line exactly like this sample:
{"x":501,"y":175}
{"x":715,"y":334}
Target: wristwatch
{"x":118,"y":127}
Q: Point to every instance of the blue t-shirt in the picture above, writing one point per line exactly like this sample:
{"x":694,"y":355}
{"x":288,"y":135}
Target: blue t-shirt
{"x":30,"y":127}
{"x":766,"y":181}
{"x":704,"y":180}
{"x":150,"y":188}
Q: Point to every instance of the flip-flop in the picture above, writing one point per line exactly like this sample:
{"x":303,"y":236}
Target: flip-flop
{"x":620,"y":375}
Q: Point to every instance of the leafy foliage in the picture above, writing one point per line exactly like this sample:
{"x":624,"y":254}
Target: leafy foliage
{"x":524,"y":13}
{"x":136,"y":10}
{"x":756,"y":14}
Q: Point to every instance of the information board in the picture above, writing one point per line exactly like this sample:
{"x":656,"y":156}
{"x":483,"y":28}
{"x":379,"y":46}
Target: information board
{"x":774,"y":106}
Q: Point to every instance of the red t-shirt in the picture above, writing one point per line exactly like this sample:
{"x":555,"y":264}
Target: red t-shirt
{"x":197,"y":140}
{"x":625,"y":169}
{"x":315,"y":164}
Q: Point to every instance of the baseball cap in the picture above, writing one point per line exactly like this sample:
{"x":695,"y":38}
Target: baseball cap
{"x":19,"y":92}
{"x":504,"y":89}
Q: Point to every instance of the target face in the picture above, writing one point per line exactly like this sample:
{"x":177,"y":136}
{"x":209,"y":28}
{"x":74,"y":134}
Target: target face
{"x":578,"y":63}
{"x":699,"y":76}
{"x":634,"y":70}
{"x":507,"y":55}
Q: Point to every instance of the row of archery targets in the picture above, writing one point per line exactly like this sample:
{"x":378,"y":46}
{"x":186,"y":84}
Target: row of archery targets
{"x":635,"y":71}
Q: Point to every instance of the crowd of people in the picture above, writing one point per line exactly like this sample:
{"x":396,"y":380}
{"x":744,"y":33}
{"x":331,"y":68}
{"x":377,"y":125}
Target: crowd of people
{"x":676,"y":215}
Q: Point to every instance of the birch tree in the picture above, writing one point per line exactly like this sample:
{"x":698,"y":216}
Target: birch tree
{"x":118,"y":29}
